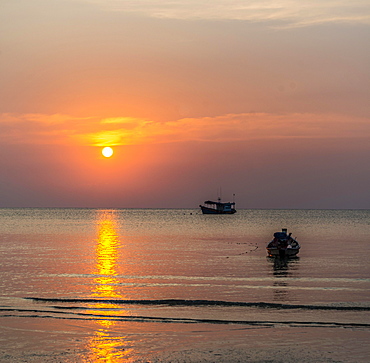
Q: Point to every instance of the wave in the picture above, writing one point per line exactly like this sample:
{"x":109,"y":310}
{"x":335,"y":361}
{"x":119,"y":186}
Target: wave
{"x":33,"y":313}
{"x":183,"y":302}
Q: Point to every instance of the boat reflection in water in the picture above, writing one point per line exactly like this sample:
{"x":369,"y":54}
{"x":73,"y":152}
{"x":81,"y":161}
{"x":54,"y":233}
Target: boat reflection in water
{"x":105,"y":345}
{"x":284,"y":269}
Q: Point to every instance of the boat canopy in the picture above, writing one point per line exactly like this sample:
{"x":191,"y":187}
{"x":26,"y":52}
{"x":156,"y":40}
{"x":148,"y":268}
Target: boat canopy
{"x":280,"y":235}
{"x":220,"y":203}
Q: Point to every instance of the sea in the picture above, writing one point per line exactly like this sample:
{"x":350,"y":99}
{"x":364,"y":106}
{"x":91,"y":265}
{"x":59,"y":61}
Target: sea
{"x":174,"y":285}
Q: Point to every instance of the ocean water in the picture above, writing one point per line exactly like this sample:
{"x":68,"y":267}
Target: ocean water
{"x":88,"y":285}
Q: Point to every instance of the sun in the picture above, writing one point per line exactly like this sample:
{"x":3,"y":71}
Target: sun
{"x":107,"y":152}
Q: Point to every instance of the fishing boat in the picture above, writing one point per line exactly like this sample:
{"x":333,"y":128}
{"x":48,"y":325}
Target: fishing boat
{"x":283,"y":245}
{"x":218,"y":207}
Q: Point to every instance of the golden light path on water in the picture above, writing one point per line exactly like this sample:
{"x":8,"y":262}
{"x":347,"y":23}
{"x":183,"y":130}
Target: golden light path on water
{"x":103,"y":345}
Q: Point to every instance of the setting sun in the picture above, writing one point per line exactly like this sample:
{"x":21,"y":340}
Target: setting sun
{"x":107,"y":152}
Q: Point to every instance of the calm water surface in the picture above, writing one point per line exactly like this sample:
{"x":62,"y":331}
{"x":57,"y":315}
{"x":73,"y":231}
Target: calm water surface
{"x":179,"y":266}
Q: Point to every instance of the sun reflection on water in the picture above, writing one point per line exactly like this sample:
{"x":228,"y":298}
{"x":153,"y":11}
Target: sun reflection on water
{"x":105,"y":345}
{"x":106,"y":257}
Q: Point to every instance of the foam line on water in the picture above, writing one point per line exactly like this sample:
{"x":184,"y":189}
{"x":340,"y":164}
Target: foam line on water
{"x":182,"y":302}
{"x":33,"y":313}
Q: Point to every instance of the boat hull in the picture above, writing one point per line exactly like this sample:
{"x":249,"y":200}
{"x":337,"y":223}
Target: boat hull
{"x":206,"y":210}
{"x":282,"y":252}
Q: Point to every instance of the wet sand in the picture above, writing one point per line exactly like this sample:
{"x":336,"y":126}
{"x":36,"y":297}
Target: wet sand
{"x":30,"y":339}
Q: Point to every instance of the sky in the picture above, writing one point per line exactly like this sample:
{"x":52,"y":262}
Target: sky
{"x":264,"y":99}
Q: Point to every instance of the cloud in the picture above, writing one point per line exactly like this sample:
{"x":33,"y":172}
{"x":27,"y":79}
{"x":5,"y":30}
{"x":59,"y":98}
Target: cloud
{"x":252,"y":126}
{"x":64,"y":129}
{"x":288,"y":11}
{"x":35,"y":128}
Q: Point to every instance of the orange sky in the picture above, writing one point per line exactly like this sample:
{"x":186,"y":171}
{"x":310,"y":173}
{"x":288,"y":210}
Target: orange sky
{"x":268,"y":101}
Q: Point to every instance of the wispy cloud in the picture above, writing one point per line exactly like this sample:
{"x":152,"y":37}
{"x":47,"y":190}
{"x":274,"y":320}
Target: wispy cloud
{"x":295,"y":13}
{"x":64,"y":129}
